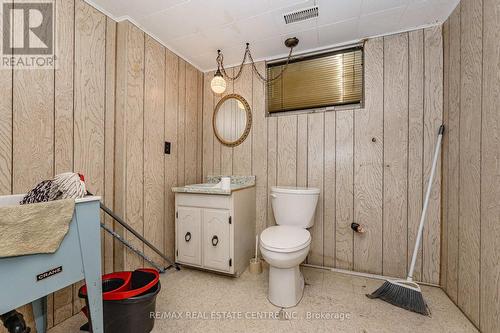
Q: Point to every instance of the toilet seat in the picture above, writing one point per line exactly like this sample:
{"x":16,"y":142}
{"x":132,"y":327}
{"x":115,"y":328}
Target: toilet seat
{"x":285,"y":239}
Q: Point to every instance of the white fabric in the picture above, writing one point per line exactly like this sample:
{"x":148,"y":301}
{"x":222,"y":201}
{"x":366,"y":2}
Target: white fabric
{"x":34,"y":228}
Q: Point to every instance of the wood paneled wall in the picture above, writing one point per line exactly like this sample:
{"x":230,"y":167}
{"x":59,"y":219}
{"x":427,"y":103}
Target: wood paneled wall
{"x":471,"y":171}
{"x":115,"y":96}
{"x":371,"y":164}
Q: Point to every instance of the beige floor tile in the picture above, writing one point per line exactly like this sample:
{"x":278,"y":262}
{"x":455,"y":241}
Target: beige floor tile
{"x":332,"y":302}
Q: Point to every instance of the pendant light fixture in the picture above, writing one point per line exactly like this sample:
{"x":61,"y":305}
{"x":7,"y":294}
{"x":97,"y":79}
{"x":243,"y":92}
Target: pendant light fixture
{"x":218,"y":83}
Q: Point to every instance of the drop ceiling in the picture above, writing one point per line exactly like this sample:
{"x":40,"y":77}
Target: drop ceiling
{"x":195,"y":29}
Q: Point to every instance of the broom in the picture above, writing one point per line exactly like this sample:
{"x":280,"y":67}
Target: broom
{"x":405,"y":293}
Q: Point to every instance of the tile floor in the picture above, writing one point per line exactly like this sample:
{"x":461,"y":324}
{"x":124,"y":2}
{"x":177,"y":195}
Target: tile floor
{"x":332,"y":302}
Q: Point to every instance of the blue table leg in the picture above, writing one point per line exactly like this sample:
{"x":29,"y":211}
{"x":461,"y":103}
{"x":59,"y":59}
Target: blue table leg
{"x":87,"y":220}
{"x":39,"y":313}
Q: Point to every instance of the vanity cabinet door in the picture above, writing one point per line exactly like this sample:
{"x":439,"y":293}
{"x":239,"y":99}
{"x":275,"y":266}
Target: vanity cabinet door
{"x":189,"y":235}
{"x":216,"y":239}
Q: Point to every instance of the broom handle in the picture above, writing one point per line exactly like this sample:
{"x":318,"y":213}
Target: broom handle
{"x":426,"y":204}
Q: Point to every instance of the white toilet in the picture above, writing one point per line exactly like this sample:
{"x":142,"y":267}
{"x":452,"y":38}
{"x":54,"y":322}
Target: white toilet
{"x":287,"y":244}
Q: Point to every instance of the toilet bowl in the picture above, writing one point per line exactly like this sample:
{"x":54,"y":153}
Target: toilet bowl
{"x":285,"y":246}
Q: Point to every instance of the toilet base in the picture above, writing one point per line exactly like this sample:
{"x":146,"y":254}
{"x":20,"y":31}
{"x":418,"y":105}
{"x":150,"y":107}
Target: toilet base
{"x":286,"y":286}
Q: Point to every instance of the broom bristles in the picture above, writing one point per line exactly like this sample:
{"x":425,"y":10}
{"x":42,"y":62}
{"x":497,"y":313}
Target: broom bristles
{"x":401,"y":296}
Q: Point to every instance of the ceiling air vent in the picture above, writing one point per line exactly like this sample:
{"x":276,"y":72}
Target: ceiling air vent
{"x":301,"y":15}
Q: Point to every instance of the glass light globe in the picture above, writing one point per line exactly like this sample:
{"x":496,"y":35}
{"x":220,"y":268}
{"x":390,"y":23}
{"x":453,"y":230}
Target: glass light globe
{"x":218,"y":84}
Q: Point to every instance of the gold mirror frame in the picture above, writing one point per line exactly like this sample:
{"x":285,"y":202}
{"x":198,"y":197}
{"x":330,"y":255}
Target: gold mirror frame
{"x":248,"y":125}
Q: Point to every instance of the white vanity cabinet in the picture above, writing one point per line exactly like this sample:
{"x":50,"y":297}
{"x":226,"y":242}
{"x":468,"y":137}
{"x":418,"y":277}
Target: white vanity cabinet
{"x":215,"y":231}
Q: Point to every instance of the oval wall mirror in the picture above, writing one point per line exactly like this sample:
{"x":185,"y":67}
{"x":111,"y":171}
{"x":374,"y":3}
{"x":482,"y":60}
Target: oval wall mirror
{"x":232,"y":120}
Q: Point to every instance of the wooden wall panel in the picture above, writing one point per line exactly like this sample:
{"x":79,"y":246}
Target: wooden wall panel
{"x":287,"y":150}
{"x":6,"y":131}
{"x":415,"y":141}
{"x":63,"y":129}
{"x":368,"y":159}
{"x":344,"y":197}
{"x":63,"y":81}
{"x":89,"y":104}
{"x":302,"y":144}
{"x":259,"y":148}
{"x":395,"y":206}
{"x":120,"y":147}
{"x":33,"y":128}
{"x":444,"y":210}
{"x":315,"y":177}
{"x":109,"y":141}
{"x":472,"y":169}
{"x":272,"y":164}
{"x":490,"y":170}
{"x":191,"y":130}
{"x":171,"y":107}
{"x":6,"y":75}
{"x":453,"y":131}
{"x":181,"y":124}
{"x":226,"y":153}
{"x":470,"y":158}
{"x":242,"y":154}
{"x":134,"y":142}
{"x":32,"y":149}
{"x":199,"y":125}
{"x":208,"y":133}
{"x":329,"y":190}
{"x":433,"y":109}
{"x":154,"y":134}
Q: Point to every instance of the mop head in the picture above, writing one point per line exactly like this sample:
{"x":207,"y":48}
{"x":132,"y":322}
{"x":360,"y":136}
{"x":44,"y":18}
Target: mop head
{"x":402,"y":293}
{"x":71,"y":185}
{"x":68,"y":185}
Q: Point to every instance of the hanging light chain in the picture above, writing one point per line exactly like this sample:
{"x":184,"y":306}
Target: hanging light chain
{"x":248,"y":53}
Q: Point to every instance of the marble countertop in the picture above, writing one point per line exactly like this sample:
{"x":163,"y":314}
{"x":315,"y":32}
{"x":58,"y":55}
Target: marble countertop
{"x":237,"y":183}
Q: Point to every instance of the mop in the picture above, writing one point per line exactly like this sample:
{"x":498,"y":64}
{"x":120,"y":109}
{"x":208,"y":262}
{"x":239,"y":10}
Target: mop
{"x":406,"y":293}
{"x":72,"y":185}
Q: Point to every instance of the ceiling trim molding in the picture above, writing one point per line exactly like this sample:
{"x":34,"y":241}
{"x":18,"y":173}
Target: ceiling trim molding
{"x":146,"y":31}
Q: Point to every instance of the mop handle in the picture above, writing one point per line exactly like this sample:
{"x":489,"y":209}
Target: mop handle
{"x":426,"y":204}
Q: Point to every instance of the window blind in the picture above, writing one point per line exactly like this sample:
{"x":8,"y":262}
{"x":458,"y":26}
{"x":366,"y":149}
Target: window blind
{"x":330,"y":79}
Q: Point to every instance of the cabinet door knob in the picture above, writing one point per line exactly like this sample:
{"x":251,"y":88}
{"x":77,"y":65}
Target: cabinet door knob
{"x":215,"y":240}
{"x":187,"y":237}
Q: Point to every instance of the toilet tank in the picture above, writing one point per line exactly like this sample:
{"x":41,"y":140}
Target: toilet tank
{"x":294,"y":206}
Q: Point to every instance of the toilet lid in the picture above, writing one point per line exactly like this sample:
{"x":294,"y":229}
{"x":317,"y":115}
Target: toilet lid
{"x":283,"y":238}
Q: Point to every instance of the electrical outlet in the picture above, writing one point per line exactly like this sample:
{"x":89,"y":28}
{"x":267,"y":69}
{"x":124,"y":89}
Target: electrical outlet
{"x":167,"y":148}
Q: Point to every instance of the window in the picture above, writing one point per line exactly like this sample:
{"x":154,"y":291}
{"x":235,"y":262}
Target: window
{"x":318,"y":81}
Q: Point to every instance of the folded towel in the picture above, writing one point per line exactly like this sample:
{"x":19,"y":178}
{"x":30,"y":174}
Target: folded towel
{"x":34,"y":228}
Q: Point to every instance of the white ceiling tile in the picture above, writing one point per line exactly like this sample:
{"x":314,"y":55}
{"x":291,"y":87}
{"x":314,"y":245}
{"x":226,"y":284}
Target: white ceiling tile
{"x":420,"y":13}
{"x":255,"y":28}
{"x":136,"y":9}
{"x":308,"y":39}
{"x":274,"y":45}
{"x":380,"y":23}
{"x":197,"y":28}
{"x":191,"y":17}
{"x":332,"y":11}
{"x":373,"y":6}
{"x":338,"y":33}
